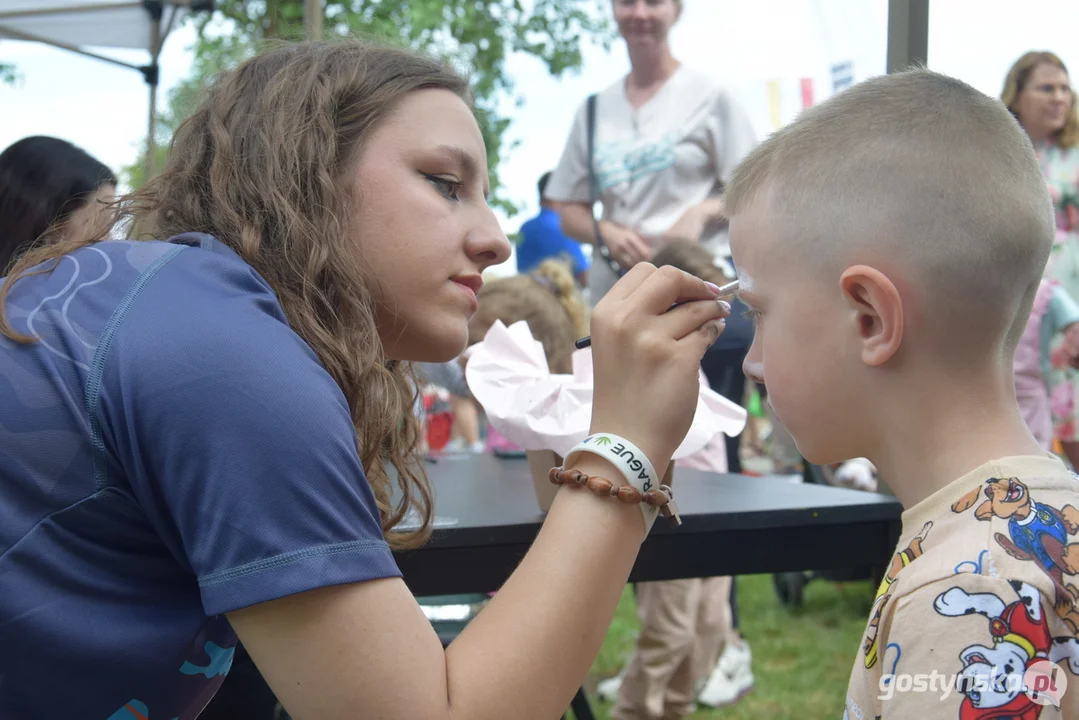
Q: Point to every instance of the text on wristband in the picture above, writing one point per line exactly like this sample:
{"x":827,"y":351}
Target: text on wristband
{"x":621,"y":451}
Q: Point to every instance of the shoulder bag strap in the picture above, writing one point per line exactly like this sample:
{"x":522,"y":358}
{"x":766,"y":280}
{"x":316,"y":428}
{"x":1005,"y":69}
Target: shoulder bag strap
{"x":593,"y":188}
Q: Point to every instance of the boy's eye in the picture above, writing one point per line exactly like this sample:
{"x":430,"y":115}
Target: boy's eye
{"x":449,"y":189}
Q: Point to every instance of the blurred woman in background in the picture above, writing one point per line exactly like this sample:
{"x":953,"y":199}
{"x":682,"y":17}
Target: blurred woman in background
{"x":47,"y":187}
{"x":655,"y":149}
{"x":1038,"y":91}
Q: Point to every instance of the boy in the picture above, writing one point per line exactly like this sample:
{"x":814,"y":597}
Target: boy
{"x":890,"y":243}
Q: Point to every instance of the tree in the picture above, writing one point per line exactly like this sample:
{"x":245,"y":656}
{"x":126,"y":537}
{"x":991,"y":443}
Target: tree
{"x":477,"y":36}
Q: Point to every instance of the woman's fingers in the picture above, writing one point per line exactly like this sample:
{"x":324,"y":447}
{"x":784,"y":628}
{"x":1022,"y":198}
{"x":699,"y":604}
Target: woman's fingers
{"x":628,"y":283}
{"x":690,"y":317}
{"x":668,"y":285}
{"x":637,"y":249}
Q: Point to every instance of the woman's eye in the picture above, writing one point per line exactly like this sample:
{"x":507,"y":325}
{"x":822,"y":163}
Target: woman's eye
{"x":753,"y":316}
{"x":449,"y":189}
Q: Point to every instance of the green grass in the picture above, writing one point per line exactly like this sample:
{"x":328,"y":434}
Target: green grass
{"x":801,"y":657}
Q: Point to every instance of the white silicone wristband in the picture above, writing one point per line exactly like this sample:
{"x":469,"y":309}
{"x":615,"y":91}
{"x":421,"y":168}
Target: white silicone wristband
{"x":630,"y":461}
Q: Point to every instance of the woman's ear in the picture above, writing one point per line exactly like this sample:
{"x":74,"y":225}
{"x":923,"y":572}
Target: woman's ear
{"x":878,"y":312}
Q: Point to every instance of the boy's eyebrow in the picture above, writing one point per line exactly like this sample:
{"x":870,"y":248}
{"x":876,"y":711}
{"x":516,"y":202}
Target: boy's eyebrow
{"x":748,"y":297}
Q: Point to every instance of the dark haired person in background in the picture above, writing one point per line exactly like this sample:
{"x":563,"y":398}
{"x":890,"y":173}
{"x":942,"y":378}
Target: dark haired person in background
{"x":47,"y":185}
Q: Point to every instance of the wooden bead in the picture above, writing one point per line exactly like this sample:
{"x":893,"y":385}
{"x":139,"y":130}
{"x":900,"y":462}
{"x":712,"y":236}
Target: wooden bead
{"x":657,"y":498}
{"x":559,"y":476}
{"x":600,"y":486}
{"x":627,"y":494}
{"x":578,"y":478}
{"x":663,"y":497}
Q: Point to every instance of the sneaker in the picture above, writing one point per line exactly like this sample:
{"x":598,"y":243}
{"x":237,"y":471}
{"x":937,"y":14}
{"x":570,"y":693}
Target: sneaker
{"x":607,"y":690}
{"x":731,"y":679}
{"x":454,"y":446}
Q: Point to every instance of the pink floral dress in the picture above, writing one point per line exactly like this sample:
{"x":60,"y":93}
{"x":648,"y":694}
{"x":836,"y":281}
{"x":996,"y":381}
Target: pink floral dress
{"x":1060,"y":166}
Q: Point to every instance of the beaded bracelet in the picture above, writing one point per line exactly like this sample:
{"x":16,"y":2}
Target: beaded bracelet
{"x":663,"y":497}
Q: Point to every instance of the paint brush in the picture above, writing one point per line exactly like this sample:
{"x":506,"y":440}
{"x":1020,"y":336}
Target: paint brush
{"x":728,"y":289}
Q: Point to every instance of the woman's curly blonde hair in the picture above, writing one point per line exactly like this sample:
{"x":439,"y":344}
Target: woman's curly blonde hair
{"x":266,"y":165}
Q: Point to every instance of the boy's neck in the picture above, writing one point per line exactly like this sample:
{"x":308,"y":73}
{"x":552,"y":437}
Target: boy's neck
{"x":930,"y":439}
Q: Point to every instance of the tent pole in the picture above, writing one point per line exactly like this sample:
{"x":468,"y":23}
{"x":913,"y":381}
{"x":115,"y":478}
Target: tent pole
{"x":151,"y":74}
{"x":64,"y":10}
{"x":30,"y":37}
{"x":151,"y":145}
{"x":312,"y":19}
{"x":908,"y":34}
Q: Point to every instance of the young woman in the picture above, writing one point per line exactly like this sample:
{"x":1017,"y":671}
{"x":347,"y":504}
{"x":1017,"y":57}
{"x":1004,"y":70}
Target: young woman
{"x":47,"y":187}
{"x":666,"y":139}
{"x":196,"y":431}
{"x":1039,"y":93}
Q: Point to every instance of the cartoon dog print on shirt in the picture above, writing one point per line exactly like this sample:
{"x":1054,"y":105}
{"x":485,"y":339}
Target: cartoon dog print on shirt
{"x":992,"y":675}
{"x":899,"y":561}
{"x":1037,"y":533}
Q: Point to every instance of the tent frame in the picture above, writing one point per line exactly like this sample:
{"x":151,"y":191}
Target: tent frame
{"x":908,"y":34}
{"x":160,"y":27}
{"x":908,"y":39}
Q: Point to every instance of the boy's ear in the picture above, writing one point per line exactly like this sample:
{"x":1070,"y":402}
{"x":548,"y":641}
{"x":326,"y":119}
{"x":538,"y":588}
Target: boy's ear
{"x":878,"y":312}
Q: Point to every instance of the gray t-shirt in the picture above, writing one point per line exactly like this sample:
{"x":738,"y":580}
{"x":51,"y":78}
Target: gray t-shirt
{"x":655,"y":162}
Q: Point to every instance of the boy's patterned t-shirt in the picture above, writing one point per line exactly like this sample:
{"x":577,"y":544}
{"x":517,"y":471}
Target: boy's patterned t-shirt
{"x":977,"y":616}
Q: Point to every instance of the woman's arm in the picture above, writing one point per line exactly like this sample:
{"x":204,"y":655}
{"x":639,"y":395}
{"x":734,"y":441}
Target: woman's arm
{"x":625,"y":245}
{"x":367,"y":651}
{"x":576,"y":221}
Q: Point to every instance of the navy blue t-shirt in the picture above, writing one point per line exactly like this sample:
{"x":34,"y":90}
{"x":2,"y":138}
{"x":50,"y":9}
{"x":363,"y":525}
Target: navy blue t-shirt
{"x":170,"y":451}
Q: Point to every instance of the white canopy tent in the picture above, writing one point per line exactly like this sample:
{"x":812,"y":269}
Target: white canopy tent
{"x":77,"y":25}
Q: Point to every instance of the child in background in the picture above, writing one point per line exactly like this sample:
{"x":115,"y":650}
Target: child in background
{"x":890,"y":243}
{"x":548,"y":300}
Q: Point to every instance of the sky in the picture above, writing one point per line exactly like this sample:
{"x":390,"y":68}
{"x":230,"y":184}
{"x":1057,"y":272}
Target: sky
{"x":746,"y":44}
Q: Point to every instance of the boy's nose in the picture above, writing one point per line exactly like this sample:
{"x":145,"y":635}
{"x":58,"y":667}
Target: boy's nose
{"x":753,"y":370}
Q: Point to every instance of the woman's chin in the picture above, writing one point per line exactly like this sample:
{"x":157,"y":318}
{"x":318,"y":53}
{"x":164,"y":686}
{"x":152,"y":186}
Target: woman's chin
{"x":434,"y":347}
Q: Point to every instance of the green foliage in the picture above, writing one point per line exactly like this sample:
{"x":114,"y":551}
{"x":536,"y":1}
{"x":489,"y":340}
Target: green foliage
{"x":477,"y":36}
{"x":801,"y":657}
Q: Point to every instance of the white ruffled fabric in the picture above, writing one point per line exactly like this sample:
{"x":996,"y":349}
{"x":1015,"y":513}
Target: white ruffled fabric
{"x":507,"y":373}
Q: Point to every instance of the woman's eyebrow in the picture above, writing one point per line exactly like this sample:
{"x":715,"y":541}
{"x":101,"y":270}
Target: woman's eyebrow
{"x":468,"y":164}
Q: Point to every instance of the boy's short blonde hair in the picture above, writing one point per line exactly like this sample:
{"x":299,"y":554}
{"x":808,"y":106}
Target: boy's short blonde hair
{"x":919,"y":171}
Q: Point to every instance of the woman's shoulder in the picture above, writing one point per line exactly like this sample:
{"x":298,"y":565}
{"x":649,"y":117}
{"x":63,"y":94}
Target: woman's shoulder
{"x":189,"y":287}
{"x":698,"y":88}
{"x":187,"y":255}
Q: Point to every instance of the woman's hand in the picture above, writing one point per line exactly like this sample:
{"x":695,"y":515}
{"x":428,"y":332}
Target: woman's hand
{"x":695,"y":220}
{"x":626,"y":247}
{"x":646,"y":356}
